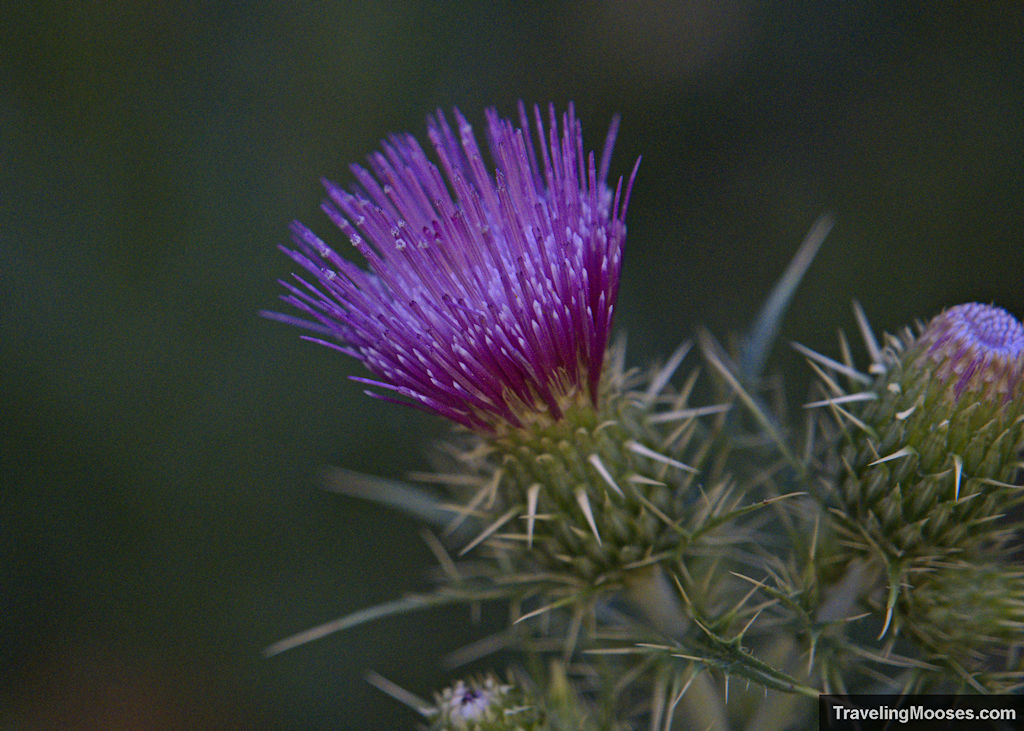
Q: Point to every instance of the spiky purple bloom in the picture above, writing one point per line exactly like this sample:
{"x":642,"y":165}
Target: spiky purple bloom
{"x":977,"y":347}
{"x":489,"y":296}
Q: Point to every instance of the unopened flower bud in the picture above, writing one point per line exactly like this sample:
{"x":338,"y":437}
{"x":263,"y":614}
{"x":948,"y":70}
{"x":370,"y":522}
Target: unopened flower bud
{"x":929,"y":459}
{"x":485,"y":704}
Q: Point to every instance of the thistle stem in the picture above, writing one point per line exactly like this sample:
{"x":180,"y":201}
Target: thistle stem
{"x":649,"y":592}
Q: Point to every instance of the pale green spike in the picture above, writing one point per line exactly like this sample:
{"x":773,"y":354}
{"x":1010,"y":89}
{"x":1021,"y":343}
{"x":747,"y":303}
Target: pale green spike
{"x":531,"y":511}
{"x":638,"y":448}
{"x":563,"y":602}
{"x":826,"y":380}
{"x":657,"y":512}
{"x":572,"y":635}
{"x":832,"y":364}
{"x":761,"y":337}
{"x":679,"y":696}
{"x":487,"y":490}
{"x":397,"y":692}
{"x":848,"y":398}
{"x":874,"y":352}
{"x":490,"y":530}
{"x":492,"y":487}
{"x":893,"y":595}
{"x":758,"y":585}
{"x":584,"y":502}
{"x":681,"y":414}
{"x":398,"y":606}
{"x":641,"y":480}
{"x":905,"y":452}
{"x":682,"y":592}
{"x":759,"y":414}
{"x":810,"y":437}
{"x":853,"y":420}
{"x":844,"y":350}
{"x":958,"y":468}
{"x":478,"y":650}
{"x":659,"y":704}
{"x":605,"y":475}
{"x":905,"y":414}
{"x":662,"y":377}
{"x":449,"y":479}
{"x":753,"y":619}
{"x":445,"y":560}
{"x":392,"y":493}
{"x":997,"y":483}
{"x":683,"y":397}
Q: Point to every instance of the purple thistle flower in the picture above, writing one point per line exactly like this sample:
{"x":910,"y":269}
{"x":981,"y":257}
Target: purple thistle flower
{"x":977,"y":347}
{"x":488,"y":296}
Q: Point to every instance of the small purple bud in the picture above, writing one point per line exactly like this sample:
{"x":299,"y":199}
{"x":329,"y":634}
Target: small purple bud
{"x":977,"y":348}
{"x":484,"y":704}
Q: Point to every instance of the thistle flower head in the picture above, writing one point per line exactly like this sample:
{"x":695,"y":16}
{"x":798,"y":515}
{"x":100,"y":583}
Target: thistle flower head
{"x":976,"y":348}
{"x":489,"y":296}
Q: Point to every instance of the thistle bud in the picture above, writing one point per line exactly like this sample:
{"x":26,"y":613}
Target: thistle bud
{"x":483,"y":704}
{"x":521,"y":704}
{"x":967,"y":612}
{"x":930,"y":457}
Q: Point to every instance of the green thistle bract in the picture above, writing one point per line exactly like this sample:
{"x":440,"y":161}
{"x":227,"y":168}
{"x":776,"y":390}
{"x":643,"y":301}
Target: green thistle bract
{"x":601,"y":492}
{"x":962,"y":609}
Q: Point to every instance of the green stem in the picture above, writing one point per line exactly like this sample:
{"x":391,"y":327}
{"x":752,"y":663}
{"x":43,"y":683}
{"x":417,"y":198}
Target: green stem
{"x":651,"y":594}
{"x":649,"y":591}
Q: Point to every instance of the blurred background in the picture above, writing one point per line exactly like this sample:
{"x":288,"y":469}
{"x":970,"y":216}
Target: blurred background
{"x":161,"y":515}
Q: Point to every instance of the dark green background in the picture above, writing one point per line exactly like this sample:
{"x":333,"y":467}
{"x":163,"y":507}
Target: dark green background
{"x":161,"y":516}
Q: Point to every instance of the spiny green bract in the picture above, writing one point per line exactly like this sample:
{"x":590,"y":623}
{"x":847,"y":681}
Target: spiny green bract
{"x":966,"y":610}
{"x":601,"y":491}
